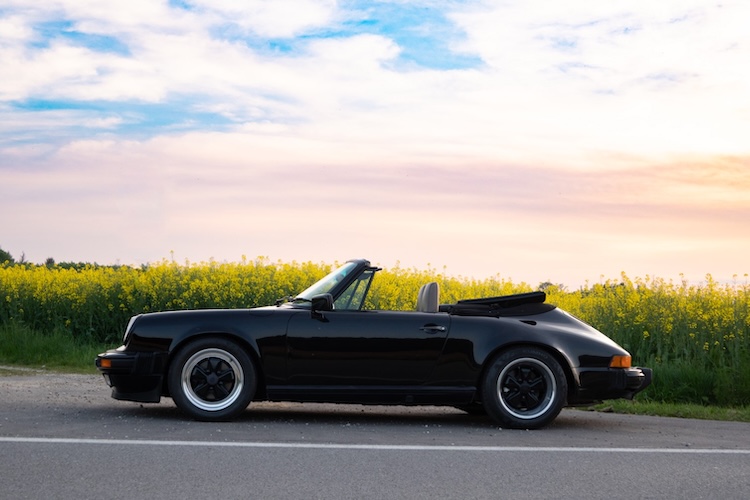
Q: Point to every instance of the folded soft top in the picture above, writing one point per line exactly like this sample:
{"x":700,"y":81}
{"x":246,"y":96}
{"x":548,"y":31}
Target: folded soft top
{"x":522,"y":304}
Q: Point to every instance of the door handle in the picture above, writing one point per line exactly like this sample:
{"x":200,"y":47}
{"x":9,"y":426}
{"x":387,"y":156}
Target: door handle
{"x":432,"y":328}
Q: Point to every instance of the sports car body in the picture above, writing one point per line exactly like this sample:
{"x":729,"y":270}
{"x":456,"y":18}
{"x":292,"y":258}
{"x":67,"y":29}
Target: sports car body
{"x":517,"y":358}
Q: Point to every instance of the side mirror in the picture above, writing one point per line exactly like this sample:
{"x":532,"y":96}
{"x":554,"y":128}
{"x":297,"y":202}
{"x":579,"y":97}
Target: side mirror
{"x":322,"y":302}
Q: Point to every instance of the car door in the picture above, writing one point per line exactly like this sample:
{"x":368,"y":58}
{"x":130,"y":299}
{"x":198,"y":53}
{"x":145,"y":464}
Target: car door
{"x":364,"y":348}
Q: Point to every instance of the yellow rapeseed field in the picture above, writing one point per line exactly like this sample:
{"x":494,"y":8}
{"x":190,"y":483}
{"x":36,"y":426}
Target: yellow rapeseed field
{"x":695,"y":336}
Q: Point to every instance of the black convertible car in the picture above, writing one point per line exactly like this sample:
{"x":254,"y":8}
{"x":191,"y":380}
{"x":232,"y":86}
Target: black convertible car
{"x":515,"y":357}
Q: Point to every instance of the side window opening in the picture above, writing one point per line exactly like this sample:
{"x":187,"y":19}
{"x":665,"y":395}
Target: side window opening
{"x":353,"y":297}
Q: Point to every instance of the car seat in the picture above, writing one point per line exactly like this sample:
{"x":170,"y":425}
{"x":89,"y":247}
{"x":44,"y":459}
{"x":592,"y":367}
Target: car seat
{"x":428,"y":298}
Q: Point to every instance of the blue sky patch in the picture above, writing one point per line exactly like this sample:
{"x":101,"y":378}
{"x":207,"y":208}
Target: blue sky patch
{"x":134,"y":120}
{"x":65,"y":30}
{"x":180,"y":4}
{"x":424,"y":34}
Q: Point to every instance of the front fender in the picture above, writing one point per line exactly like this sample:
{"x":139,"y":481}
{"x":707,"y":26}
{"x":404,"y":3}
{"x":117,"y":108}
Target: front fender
{"x":261,"y":331}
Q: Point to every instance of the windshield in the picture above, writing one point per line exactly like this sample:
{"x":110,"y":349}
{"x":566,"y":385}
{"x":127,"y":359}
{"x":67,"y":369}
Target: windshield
{"x":326,"y":284}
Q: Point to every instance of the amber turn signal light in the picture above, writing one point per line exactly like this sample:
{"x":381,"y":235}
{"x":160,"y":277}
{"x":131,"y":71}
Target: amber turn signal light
{"x":620,"y":362}
{"x":105,"y":363}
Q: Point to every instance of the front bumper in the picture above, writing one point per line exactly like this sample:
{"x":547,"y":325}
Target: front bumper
{"x":596,"y":384}
{"x":134,"y":376}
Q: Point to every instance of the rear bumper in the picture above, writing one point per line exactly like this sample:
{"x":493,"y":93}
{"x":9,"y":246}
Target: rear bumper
{"x":134,"y":376}
{"x":596,"y":384}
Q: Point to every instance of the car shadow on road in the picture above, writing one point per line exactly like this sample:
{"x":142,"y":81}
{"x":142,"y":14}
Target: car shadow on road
{"x":269,"y":413}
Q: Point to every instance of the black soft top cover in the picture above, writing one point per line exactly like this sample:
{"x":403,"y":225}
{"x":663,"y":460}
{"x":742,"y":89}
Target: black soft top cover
{"x":522,"y":304}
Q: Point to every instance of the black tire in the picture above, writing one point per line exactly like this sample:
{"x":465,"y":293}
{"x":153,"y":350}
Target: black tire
{"x":524,"y":388}
{"x":212,"y":379}
{"x":472,"y":408}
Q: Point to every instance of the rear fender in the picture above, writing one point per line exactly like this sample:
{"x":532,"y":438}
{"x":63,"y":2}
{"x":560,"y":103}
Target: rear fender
{"x":570,"y":374}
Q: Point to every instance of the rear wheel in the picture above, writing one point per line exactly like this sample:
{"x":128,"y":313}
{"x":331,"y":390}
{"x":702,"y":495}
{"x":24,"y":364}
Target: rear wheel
{"x":524,"y":388}
{"x":212,"y":379}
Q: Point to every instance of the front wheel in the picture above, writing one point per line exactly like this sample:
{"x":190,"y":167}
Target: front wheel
{"x":472,"y":408}
{"x":524,"y":388}
{"x":212,"y":379}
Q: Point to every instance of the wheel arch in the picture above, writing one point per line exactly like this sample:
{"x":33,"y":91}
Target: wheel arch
{"x":249,"y":347}
{"x":555,"y":353}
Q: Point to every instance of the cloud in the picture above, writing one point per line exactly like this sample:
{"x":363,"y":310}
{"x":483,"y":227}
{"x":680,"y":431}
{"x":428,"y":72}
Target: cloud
{"x":632,"y":72}
{"x":577,"y":79}
{"x":277,"y":19}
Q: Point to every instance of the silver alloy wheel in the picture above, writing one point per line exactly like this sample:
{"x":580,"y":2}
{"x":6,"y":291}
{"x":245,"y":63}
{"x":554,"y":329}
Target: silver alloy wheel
{"x":212,"y":379}
{"x":526,"y":388}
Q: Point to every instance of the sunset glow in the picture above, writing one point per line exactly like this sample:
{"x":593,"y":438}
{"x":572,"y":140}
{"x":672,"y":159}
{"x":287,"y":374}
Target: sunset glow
{"x":541,"y":140}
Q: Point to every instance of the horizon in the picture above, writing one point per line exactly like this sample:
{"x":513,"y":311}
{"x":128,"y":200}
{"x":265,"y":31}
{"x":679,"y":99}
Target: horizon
{"x":736,"y":280}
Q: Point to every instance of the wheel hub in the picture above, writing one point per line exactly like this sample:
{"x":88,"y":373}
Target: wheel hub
{"x":212,"y":379}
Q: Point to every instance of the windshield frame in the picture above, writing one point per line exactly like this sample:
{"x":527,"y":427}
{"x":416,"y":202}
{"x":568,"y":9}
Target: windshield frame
{"x":335,"y":281}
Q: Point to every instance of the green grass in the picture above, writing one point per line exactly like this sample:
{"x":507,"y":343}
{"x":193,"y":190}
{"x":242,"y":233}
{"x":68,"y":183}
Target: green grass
{"x":58,"y":350}
{"x":679,"y":410}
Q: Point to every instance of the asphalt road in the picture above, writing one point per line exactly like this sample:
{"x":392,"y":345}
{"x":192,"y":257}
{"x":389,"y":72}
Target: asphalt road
{"x":62,"y":436}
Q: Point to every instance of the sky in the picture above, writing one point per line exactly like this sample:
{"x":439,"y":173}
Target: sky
{"x":532,"y":140}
